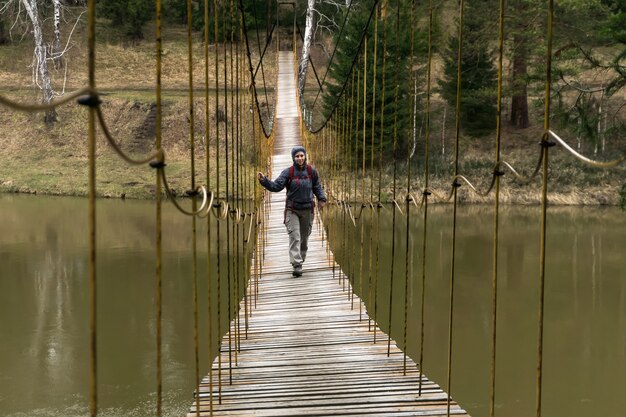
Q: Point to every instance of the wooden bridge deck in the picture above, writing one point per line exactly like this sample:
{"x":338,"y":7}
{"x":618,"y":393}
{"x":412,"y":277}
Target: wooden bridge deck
{"x":307,"y":351}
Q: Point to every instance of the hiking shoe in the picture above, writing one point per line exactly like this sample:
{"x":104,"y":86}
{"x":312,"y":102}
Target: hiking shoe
{"x":297,"y":271}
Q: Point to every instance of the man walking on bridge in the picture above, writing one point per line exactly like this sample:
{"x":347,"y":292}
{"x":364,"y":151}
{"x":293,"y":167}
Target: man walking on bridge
{"x":302,"y":182}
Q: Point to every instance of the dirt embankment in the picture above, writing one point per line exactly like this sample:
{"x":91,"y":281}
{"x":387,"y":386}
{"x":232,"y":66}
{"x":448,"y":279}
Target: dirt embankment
{"x":42,"y":159}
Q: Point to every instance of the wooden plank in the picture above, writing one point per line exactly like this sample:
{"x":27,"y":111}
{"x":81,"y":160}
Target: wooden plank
{"x":309,"y":346}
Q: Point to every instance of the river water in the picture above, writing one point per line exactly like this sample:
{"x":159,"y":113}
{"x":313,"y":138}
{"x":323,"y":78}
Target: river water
{"x":44,"y":308}
{"x":44,"y":350}
{"x":584,"y":355}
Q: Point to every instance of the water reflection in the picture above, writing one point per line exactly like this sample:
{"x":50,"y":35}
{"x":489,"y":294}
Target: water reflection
{"x":585,"y":335}
{"x":44,"y":348}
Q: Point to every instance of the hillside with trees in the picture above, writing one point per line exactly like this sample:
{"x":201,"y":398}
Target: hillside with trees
{"x":43,"y":55}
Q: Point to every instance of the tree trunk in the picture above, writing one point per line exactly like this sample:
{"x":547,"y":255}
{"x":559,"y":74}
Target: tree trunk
{"x":40,"y":70}
{"x":306,"y":47}
{"x":56,"y":45}
{"x":269,"y":18}
{"x":3,"y":34}
{"x":519,"y":100}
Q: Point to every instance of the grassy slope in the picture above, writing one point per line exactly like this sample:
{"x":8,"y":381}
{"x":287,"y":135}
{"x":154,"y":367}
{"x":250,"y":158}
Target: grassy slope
{"x":53,"y":160}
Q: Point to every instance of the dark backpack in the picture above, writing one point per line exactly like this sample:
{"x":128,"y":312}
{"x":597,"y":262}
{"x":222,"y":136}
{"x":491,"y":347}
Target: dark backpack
{"x":310,"y":175}
{"x":292,"y":173}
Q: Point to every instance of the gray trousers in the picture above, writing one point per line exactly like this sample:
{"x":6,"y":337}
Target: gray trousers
{"x":299,"y":224}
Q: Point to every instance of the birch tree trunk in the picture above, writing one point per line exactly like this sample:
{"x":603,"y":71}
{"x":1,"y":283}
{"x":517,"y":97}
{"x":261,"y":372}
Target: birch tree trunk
{"x":306,"y":47}
{"x":56,"y":45}
{"x":40,"y":64}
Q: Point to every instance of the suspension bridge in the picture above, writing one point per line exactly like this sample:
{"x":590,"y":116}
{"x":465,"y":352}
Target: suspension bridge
{"x":299,"y":345}
{"x":307,"y":350}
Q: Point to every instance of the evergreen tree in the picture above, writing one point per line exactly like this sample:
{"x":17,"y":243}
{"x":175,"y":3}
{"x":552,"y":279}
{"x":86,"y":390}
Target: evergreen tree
{"x":131,"y":15}
{"x":478,"y":76}
{"x":615,"y":30}
{"x":396,"y":72}
{"x":584,"y":106}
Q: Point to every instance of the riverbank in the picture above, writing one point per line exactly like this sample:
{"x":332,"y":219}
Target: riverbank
{"x":53,"y":160}
{"x":37,"y":159}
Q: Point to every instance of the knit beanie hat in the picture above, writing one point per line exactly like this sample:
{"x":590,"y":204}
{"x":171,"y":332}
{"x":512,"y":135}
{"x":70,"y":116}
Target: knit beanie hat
{"x":295,"y":150}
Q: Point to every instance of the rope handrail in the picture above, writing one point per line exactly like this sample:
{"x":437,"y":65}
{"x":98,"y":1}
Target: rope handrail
{"x":588,"y":161}
{"x":31,"y":107}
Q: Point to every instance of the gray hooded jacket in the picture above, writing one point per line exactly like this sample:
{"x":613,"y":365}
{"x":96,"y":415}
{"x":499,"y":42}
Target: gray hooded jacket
{"x":301,"y":188}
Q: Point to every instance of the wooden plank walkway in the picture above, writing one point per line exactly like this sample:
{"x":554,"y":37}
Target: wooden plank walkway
{"x":307,"y":351}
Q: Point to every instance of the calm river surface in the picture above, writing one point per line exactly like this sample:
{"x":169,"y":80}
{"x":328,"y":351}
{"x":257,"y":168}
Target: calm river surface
{"x":584,"y":372}
{"x":44,"y":346}
{"x":44,"y":351}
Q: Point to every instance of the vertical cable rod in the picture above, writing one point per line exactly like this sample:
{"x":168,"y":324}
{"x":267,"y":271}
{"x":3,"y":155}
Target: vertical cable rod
{"x":496,"y":219}
{"x":426,"y":193}
{"x":207,"y":141}
{"x":194,"y":208}
{"x":408,"y":198}
{"x":545,"y":143}
{"x":395,"y":171}
{"x":93,"y":299}
{"x":455,"y":185}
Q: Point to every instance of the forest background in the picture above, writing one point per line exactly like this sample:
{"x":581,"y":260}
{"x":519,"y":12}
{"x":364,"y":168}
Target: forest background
{"x":47,"y":153}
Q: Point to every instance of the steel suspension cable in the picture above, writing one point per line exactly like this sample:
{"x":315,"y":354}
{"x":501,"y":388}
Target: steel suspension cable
{"x":207,"y":146}
{"x":258,"y":41}
{"x":455,"y":192}
{"x":194,"y":204}
{"x":235,"y":173}
{"x":93,"y":299}
{"x":233,"y":212}
{"x":496,"y":219}
{"x":266,"y":132}
{"x":159,"y":234}
{"x":228,"y":196}
{"x":426,"y":193}
{"x":546,"y":144}
{"x":380,"y":166}
{"x":395,"y":169}
{"x":217,"y":167}
{"x":363,"y":175}
{"x":373,"y":133}
{"x":240,"y":194}
{"x":355,"y":170}
{"x":347,"y":182}
{"x":408,"y":194}
{"x":344,"y":185}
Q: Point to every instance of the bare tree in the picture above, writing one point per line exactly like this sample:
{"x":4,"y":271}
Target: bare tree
{"x":44,"y":53}
{"x":317,"y":18}
{"x":306,"y":46}
{"x":41,"y":74}
{"x":56,"y":43}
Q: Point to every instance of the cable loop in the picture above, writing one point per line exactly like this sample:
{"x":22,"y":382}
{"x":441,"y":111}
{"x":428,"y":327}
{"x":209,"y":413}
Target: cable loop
{"x":252,"y":217}
{"x":415,"y":200}
{"x":457,"y":184}
{"x":224,"y":210}
{"x":351,"y":215}
{"x":519,"y":177}
{"x":398,"y":206}
{"x":235,"y":214}
{"x":207,"y":210}
{"x":172,"y":197}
